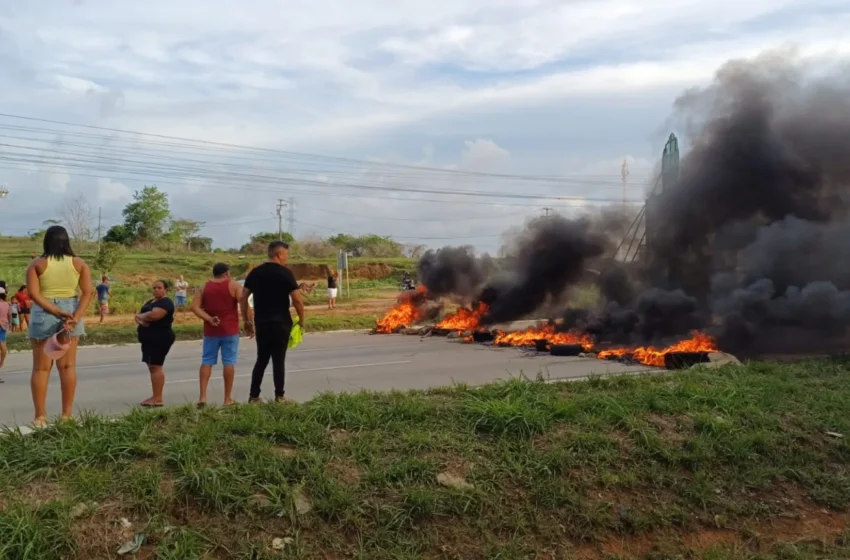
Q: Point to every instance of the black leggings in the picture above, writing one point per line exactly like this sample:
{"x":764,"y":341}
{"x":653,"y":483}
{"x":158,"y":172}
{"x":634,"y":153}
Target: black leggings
{"x":272,"y":342}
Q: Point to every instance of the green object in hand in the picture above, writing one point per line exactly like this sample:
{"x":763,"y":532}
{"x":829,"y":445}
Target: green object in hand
{"x":296,"y":335}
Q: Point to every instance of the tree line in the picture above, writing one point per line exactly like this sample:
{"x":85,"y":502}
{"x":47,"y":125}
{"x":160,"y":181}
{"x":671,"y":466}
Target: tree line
{"x":149,"y":224}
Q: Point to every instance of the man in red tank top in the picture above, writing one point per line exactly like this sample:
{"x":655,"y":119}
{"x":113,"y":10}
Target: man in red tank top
{"x":218,"y":306}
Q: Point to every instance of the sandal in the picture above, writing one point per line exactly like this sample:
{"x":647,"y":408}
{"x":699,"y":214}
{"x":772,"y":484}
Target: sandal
{"x":149,"y":404}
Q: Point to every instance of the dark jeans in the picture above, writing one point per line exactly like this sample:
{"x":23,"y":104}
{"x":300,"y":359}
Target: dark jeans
{"x":272,"y":341}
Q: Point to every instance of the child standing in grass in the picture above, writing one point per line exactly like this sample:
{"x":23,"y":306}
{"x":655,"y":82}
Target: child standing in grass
{"x":15,"y":317}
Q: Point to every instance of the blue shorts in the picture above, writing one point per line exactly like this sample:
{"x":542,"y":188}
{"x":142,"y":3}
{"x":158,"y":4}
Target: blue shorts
{"x":229,"y":346}
{"x":43,"y":325}
{"x":2,"y":335}
{"x":180,"y":301}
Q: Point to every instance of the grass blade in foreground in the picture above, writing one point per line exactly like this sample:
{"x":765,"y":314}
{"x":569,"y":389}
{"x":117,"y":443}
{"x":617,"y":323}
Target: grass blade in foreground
{"x":730,"y":463}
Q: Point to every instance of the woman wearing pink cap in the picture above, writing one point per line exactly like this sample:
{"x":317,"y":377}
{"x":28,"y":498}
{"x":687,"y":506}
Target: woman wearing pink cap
{"x":53,"y":281}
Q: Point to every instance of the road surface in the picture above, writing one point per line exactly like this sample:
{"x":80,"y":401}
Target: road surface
{"x":111,"y":380}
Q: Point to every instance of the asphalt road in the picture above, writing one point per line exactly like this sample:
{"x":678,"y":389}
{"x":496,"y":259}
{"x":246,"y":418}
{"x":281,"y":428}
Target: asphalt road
{"x":111,"y":380}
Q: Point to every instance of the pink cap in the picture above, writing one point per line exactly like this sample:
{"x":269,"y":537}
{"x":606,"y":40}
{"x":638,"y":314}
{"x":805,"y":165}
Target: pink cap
{"x":57,"y":345}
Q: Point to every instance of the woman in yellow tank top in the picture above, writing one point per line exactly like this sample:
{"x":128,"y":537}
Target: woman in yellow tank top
{"x":54,"y":281}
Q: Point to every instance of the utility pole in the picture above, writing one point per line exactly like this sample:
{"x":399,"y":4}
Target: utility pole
{"x":291,"y":216}
{"x":280,"y":206}
{"x":624,"y":174}
{"x":99,"y":214}
{"x":546,"y":211}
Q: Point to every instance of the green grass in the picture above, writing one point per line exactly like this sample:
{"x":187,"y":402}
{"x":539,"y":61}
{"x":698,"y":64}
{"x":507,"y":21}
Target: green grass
{"x":137,"y":269}
{"x":728,"y":463}
{"x":127,"y":334}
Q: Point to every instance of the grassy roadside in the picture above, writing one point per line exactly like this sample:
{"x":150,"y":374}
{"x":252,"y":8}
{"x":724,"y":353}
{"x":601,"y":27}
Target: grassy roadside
{"x":108,"y":334}
{"x":729,"y":463}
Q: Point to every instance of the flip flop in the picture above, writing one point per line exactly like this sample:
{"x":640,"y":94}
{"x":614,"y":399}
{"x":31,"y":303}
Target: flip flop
{"x":201,"y":405}
{"x":150,"y":405}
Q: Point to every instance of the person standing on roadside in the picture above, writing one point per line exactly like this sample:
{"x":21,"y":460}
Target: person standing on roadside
{"x":273,"y":287}
{"x":332,"y":276}
{"x":103,"y":293}
{"x":218,"y":306}
{"x":181,"y":293}
{"x":5,"y":326}
{"x":156,"y":337}
{"x":24,"y":305}
{"x":56,"y":324}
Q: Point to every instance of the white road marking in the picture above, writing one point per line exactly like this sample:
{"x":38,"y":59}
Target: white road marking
{"x":329,"y":368}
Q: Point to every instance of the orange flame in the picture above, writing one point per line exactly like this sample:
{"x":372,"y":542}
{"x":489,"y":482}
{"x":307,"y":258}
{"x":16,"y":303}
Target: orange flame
{"x":464,"y":319}
{"x":403,"y":314}
{"x":699,"y":342}
{"x":547,"y":333}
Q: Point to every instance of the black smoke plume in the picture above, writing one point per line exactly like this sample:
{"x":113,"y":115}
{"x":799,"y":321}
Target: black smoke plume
{"x":550,"y":255}
{"x":751,"y":243}
{"x":454,"y":271}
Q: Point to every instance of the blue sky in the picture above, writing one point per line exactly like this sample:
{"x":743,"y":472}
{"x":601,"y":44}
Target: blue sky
{"x":520,"y":87}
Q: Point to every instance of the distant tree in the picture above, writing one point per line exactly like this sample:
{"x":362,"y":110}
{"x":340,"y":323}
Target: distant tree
{"x":77,"y":218}
{"x":118,"y":234}
{"x":314,"y":247}
{"x":414,"y":251}
{"x":145,"y":218}
{"x":181,"y":231}
{"x":108,"y":256}
{"x":260,"y":241}
{"x":200,"y":244}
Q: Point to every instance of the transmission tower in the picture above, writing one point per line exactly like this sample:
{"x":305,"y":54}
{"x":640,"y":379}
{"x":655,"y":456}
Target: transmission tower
{"x":280,"y":206}
{"x":290,"y":216}
{"x":624,"y":174}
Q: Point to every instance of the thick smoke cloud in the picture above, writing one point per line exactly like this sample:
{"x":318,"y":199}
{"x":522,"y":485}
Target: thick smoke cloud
{"x":752,"y":242}
{"x":550,"y":255}
{"x":454,"y":271}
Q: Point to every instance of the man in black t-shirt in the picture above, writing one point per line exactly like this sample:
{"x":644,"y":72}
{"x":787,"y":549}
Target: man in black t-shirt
{"x":272,"y":285}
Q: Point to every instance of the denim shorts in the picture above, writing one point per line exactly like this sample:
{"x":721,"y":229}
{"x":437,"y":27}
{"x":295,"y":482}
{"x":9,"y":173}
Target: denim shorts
{"x":229,"y":346}
{"x":2,"y":335}
{"x":180,"y":300}
{"x":43,"y":325}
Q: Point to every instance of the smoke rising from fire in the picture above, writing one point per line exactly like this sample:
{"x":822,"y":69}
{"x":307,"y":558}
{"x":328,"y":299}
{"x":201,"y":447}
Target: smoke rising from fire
{"x":454,"y":271}
{"x":751,"y":244}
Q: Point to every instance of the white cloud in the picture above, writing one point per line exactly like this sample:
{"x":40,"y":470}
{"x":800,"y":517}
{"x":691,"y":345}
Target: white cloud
{"x":109,"y":191}
{"x":507,"y":86}
{"x":484,"y":155}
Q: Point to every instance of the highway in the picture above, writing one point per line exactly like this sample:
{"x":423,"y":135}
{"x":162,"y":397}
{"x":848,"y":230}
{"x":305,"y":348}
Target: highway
{"x":113,"y":379}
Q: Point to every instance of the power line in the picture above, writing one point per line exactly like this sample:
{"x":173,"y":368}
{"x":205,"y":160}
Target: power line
{"x":286,"y":153}
{"x":415,"y":238}
{"x":148,"y":169}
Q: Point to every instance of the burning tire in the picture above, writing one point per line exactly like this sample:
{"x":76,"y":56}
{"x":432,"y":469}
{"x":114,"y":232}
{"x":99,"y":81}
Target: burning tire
{"x":566,"y":349}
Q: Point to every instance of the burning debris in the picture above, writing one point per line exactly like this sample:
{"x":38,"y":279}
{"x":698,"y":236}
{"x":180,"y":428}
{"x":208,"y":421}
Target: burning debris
{"x":745,"y":248}
{"x":546,"y":334}
{"x":698,"y":343}
{"x":464,"y":319}
{"x":410,"y":309}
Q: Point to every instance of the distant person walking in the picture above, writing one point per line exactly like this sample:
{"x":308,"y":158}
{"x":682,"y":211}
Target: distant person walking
{"x":5,"y":327}
{"x":218,"y":306}
{"x":56,"y":321}
{"x":181,"y":293}
{"x":24,"y":305}
{"x":103,"y":295}
{"x":156,"y":336}
{"x":273,"y":287}
{"x":332,"y":277}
